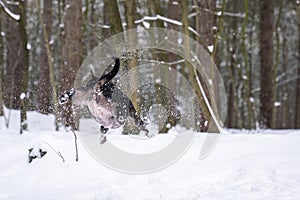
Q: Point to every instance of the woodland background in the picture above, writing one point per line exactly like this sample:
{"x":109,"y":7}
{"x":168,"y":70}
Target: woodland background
{"x":256,"y":48}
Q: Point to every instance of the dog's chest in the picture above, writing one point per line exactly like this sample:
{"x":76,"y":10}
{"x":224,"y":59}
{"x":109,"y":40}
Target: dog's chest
{"x":103,"y":111}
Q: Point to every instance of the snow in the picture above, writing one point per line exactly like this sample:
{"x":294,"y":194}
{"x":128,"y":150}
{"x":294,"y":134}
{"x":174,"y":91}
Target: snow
{"x":219,"y":13}
{"x":277,"y":104}
{"x":165,"y":20}
{"x":146,"y":24}
{"x":263,"y":165}
{"x":210,"y":48}
{"x":22,"y":95}
{"x":28,"y":46}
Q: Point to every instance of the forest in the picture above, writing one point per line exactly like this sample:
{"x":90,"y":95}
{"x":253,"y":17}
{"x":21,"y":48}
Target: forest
{"x":255,"y":45}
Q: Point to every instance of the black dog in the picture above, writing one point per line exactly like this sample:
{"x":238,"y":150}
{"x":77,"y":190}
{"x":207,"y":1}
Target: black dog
{"x":106,"y":103}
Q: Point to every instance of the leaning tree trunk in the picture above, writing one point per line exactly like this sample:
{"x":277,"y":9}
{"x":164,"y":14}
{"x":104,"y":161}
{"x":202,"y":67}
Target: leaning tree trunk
{"x":192,"y":75}
{"x":266,"y":62}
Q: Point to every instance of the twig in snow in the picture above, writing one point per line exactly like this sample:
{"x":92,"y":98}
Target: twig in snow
{"x":57,"y":152}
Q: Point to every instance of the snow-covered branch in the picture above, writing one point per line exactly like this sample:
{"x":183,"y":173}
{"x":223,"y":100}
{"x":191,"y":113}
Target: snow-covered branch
{"x":217,"y":13}
{"x":12,"y":15}
{"x":165,"y":19}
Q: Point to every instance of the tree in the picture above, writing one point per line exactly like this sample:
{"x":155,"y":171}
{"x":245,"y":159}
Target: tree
{"x":72,"y":57}
{"x":130,"y":12}
{"x":266,"y":61}
{"x":234,"y":115}
{"x":25,"y":63}
{"x":297,"y":118}
{"x":247,"y":80}
{"x":1,"y":67}
{"x":14,"y":67}
{"x":206,"y":21}
{"x":43,"y":94}
{"x":50,"y":70}
{"x":191,"y":73}
{"x":113,"y":14}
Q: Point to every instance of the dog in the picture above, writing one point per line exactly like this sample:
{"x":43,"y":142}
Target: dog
{"x":107,"y":104}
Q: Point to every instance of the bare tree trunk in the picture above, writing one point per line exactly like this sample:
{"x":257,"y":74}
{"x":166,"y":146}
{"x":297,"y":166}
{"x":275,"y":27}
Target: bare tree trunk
{"x":276,"y":65}
{"x":266,"y":62}
{"x":207,"y":20}
{"x":1,"y":67}
{"x":105,"y":33}
{"x":43,"y":95}
{"x":24,"y":37}
{"x":130,"y":12}
{"x":247,"y":81}
{"x":113,"y":14}
{"x":71,"y":57}
{"x":192,"y":76}
{"x":234,"y":114}
{"x":50,"y":65}
{"x":14,"y":62}
{"x":297,"y":118}
{"x":93,"y":20}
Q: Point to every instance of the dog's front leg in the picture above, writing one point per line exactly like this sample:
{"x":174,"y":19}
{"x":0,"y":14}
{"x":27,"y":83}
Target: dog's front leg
{"x":103,"y":131}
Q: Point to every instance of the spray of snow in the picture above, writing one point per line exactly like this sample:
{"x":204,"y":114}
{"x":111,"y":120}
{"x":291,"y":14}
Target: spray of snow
{"x":22,"y":95}
{"x":277,"y":103}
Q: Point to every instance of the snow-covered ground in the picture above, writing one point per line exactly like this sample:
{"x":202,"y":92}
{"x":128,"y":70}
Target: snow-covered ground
{"x":244,"y":166}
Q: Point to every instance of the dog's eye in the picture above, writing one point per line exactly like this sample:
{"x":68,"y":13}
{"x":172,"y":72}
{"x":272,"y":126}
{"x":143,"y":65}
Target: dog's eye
{"x":111,"y":118}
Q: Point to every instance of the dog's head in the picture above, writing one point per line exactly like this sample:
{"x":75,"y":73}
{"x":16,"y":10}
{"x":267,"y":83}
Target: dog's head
{"x":96,"y":95}
{"x":96,"y":86}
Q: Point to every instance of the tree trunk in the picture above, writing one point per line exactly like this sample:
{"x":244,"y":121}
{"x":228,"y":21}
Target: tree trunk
{"x":93,"y":20}
{"x":276,"y":65}
{"x":247,"y":81}
{"x":130,"y":12}
{"x":192,"y":76}
{"x":234,"y":114}
{"x":207,"y":20}
{"x":50,"y":65}
{"x":297,"y":118}
{"x":25,"y":63}
{"x":266,"y":62}
{"x":1,"y":67}
{"x":113,"y":14}
{"x":71,"y":57}
{"x":43,"y":95}
{"x":14,"y":68}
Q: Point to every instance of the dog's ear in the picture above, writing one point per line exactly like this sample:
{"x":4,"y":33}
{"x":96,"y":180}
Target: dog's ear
{"x":93,"y":81}
{"x":107,"y":77}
